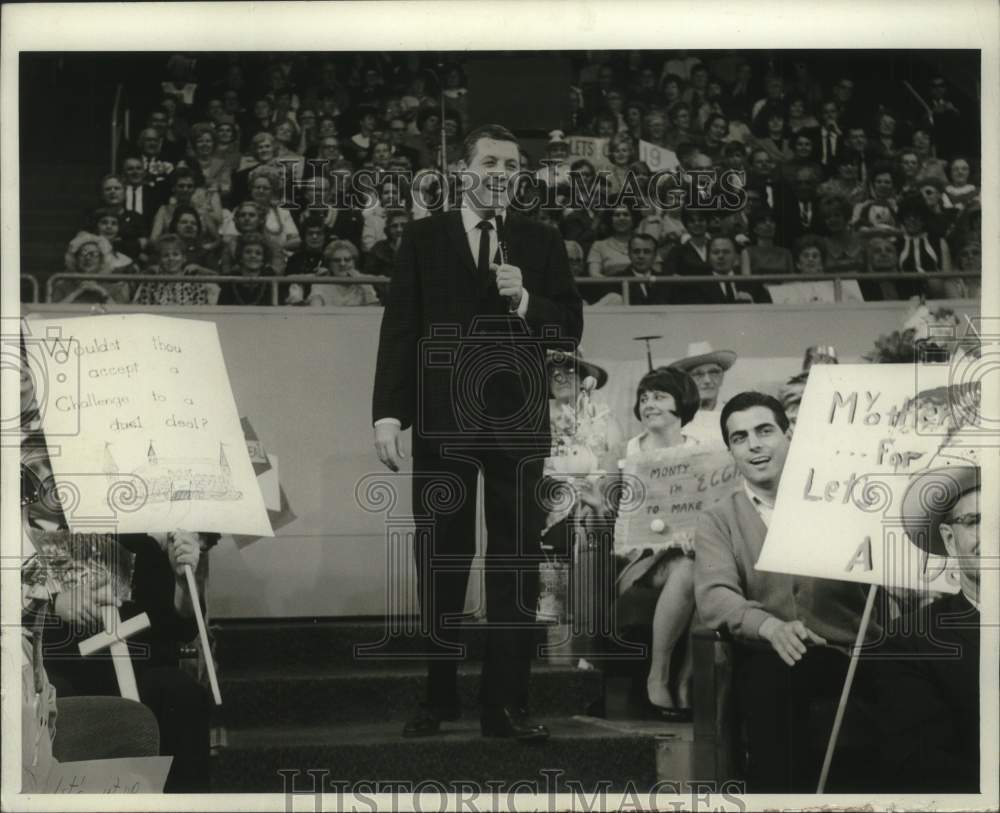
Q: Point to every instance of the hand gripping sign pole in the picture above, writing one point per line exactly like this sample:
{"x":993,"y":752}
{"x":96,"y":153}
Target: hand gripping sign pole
{"x":845,"y":693}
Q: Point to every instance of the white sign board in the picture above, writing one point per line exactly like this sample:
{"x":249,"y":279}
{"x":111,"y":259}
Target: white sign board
{"x":593,"y":149}
{"x":863,"y":431}
{"x":141,"y":425}
{"x":658,"y":158}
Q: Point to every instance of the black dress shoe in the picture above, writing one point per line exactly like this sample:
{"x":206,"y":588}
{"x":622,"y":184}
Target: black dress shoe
{"x":675,"y":715}
{"x":427,"y":722}
{"x":510,"y":722}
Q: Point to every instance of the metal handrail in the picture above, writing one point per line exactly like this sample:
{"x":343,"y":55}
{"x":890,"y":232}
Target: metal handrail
{"x":274,"y":282}
{"x":655,"y":279}
{"x":837,"y":278}
{"x":34,"y":286}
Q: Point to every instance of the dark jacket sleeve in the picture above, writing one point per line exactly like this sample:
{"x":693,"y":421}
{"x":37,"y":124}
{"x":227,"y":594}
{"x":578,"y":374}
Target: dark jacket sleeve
{"x":559,"y":305}
{"x":395,"y":392}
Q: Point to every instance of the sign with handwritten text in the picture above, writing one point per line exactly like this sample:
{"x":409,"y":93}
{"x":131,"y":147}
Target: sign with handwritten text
{"x":105,"y":776}
{"x":658,"y":158}
{"x":863,"y":431}
{"x":141,"y":425}
{"x":673,"y":486}
{"x":593,"y":149}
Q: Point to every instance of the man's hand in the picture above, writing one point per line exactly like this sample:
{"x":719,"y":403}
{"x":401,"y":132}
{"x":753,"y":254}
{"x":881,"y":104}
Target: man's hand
{"x":389,"y":444}
{"x":789,"y":638}
{"x":82,"y":604}
{"x":509,"y":282}
{"x":183,"y":548}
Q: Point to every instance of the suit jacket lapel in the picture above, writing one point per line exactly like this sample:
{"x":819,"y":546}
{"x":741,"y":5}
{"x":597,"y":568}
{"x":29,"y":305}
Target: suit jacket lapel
{"x":460,"y":243}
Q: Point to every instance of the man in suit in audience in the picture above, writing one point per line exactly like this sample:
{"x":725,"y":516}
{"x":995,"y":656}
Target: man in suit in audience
{"x":461,"y":352}
{"x":792,"y":633}
{"x":927,"y":667}
{"x":642,"y":254}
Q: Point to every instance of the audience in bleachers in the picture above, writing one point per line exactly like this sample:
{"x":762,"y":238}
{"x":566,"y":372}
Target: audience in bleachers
{"x":800,"y":141}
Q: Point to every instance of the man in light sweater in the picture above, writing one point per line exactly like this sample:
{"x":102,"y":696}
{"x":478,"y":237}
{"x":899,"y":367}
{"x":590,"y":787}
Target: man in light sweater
{"x":792,"y":633}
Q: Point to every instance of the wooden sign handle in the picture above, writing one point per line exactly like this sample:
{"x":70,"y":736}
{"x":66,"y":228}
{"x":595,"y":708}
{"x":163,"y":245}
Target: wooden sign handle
{"x":203,"y":634}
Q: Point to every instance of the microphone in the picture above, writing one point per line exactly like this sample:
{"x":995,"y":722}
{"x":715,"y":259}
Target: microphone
{"x":502,"y":245}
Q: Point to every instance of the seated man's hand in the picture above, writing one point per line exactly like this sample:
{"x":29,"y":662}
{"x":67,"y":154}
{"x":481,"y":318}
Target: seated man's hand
{"x":82,"y":603}
{"x":183,"y":548}
{"x":789,"y":638}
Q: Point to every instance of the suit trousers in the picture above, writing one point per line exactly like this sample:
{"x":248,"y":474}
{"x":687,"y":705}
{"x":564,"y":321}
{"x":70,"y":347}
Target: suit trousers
{"x":444,"y":506}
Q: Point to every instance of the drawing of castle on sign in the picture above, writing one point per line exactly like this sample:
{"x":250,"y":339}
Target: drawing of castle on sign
{"x":175,"y":479}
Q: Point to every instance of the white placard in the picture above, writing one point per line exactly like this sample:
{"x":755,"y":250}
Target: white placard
{"x":658,"y":159}
{"x":141,"y":425}
{"x":863,"y":432}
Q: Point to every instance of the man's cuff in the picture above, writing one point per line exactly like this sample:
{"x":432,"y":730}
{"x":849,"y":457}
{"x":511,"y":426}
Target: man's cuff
{"x":753,"y":620}
{"x":395,"y":421}
{"x":522,"y":308}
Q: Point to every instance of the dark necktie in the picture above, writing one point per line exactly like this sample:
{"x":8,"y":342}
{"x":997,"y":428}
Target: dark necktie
{"x":483,"y":262}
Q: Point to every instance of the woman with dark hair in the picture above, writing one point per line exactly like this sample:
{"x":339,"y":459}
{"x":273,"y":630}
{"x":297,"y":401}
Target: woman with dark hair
{"x":253,"y":261}
{"x":107,"y":224}
{"x":799,"y":118}
{"x":713,"y":137}
{"x":877,"y":214}
{"x":186,"y":224}
{"x":771,"y":133}
{"x":187,"y":189}
{"x":680,"y":131}
{"x":666,"y":400}
{"x":609,"y":257}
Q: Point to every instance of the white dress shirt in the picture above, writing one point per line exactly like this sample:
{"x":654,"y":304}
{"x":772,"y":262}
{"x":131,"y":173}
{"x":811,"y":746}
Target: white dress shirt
{"x":470,"y":222}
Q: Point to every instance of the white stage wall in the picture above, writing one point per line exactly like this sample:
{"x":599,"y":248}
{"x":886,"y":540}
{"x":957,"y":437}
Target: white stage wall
{"x":304,"y":378}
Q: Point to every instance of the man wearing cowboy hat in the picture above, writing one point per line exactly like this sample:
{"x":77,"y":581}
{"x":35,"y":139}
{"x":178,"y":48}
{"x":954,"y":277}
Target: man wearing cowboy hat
{"x":708,"y":369}
{"x":927,"y":672}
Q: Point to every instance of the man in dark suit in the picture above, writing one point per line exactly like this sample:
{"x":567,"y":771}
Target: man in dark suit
{"x":722,"y":260}
{"x":461,"y":360}
{"x":927,"y":668}
{"x":642,"y":253}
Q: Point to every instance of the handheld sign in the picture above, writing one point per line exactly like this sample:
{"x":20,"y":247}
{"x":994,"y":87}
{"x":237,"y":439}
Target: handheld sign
{"x":658,"y":159}
{"x":593,"y":149}
{"x":675,"y":485}
{"x":141,"y":425}
{"x":863,"y":431}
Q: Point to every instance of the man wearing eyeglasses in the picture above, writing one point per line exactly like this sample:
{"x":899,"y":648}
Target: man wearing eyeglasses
{"x":708,"y":369}
{"x":928,"y":665}
{"x":397,"y":137}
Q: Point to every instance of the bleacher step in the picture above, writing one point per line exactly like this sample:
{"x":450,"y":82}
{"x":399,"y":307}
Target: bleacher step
{"x":580,"y":749}
{"x":338,"y":694}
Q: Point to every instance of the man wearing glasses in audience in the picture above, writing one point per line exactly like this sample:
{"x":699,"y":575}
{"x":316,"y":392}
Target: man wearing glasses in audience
{"x":927,"y":667}
{"x":708,"y":369}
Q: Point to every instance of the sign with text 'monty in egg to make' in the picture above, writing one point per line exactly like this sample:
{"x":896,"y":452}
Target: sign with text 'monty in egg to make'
{"x":141,"y":425}
{"x":863,"y":432}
